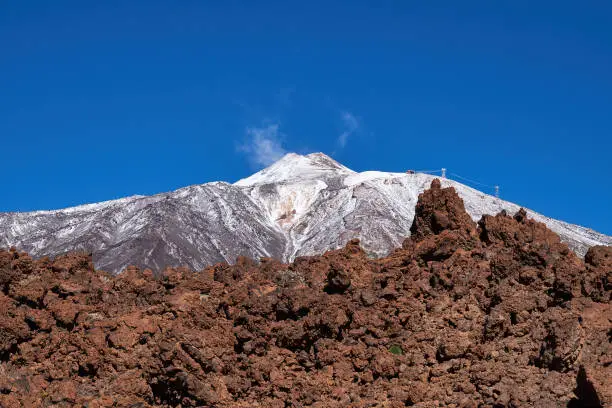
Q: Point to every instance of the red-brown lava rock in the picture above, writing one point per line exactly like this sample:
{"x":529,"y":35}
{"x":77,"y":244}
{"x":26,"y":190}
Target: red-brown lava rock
{"x":499,"y":313}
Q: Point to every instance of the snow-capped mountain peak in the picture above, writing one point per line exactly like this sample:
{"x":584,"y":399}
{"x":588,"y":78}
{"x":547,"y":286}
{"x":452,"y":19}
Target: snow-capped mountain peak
{"x":300,"y":205}
{"x":297,"y":167}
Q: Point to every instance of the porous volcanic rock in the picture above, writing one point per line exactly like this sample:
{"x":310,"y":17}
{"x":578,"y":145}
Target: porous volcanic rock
{"x":496,"y":314}
{"x":440,"y":209}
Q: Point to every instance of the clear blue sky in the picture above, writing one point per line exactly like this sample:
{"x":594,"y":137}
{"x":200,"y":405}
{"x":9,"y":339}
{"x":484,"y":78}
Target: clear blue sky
{"x":100,"y":100}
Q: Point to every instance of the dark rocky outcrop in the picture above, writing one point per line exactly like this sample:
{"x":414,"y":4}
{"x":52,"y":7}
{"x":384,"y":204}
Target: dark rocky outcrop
{"x":495,"y":314}
{"x":440,"y":209}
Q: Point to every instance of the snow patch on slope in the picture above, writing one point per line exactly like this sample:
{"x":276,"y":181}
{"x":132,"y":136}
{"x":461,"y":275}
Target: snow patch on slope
{"x":293,"y":167}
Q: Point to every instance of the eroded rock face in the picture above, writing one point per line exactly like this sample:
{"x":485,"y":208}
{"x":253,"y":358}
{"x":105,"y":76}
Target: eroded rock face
{"x":440,"y":209}
{"x":495,"y":314}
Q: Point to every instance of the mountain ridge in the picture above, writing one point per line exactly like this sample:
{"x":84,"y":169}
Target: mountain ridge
{"x":300,"y":205}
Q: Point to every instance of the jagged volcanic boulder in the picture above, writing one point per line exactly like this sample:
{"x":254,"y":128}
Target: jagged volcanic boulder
{"x":440,"y":209}
{"x":495,"y":314}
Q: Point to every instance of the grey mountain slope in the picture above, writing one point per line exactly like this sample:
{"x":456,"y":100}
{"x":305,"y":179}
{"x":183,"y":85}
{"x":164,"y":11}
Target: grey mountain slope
{"x":301,"y":205}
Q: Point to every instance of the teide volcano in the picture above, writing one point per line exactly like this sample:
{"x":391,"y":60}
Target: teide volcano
{"x":300,"y":205}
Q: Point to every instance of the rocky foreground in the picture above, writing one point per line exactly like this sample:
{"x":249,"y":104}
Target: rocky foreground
{"x":496,"y":314}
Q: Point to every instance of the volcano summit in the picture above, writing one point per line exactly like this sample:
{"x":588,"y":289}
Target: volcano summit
{"x":300,"y":205}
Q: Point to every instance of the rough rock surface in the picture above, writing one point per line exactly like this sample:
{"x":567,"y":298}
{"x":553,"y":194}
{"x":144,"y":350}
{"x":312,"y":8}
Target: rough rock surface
{"x":499,"y":313}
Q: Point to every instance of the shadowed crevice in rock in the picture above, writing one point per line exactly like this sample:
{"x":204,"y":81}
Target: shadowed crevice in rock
{"x":586,"y":395}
